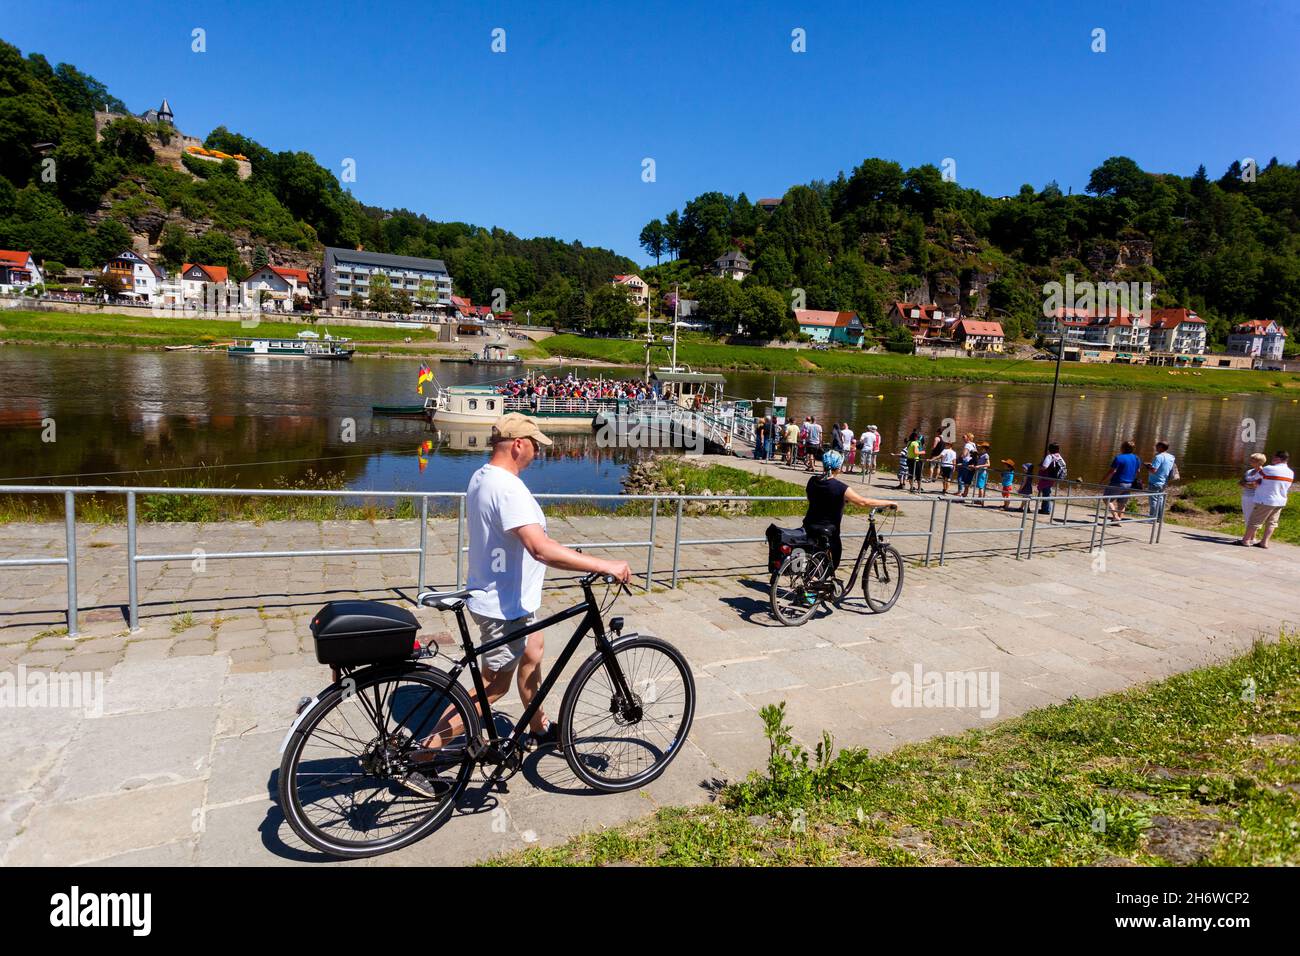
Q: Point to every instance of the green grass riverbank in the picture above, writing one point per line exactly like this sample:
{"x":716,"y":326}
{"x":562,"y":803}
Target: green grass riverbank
{"x":1200,"y":769}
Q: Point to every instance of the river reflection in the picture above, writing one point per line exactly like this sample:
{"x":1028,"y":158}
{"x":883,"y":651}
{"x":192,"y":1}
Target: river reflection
{"x":182,"y":418}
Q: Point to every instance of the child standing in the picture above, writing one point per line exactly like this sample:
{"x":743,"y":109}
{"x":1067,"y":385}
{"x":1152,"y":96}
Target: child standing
{"x":982,"y":471}
{"x":1008,"y":482}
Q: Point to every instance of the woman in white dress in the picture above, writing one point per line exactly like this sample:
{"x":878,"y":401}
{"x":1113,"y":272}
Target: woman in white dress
{"x":1250,"y":482}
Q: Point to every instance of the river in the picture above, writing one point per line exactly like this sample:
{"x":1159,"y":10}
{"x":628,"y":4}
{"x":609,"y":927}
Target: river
{"x":176,"y":418}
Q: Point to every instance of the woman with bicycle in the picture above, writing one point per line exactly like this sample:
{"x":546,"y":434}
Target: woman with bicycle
{"x":826,"y":498}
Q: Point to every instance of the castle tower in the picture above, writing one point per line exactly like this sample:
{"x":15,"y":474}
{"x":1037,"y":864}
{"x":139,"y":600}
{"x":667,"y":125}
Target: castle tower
{"x":165,"y":113}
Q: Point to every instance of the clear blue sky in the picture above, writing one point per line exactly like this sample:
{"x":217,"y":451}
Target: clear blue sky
{"x":548,"y":137}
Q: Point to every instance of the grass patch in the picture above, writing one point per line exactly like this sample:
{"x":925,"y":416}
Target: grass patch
{"x":1201,"y":768}
{"x":112,"y":329}
{"x":704,"y":355}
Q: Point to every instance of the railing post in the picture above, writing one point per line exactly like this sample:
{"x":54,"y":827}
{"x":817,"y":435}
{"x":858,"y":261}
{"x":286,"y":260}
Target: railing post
{"x":1160,"y":525}
{"x":1101,"y":544}
{"x":943,"y":540}
{"x":1020,"y":540}
{"x":929,"y":535}
{"x":132,"y":588}
{"x":677,"y":541}
{"x":650,"y":551}
{"x":424,"y":538}
{"x":1065,"y":518}
{"x":70,"y":519}
{"x":1092,"y":539}
{"x":1033,"y":524}
{"x":460,"y":538}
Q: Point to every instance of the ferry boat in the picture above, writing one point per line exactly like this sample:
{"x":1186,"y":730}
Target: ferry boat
{"x":482,"y":405}
{"x":495,"y":354}
{"x":327,"y":349}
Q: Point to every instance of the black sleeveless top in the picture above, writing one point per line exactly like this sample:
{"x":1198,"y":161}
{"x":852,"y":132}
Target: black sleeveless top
{"x":825,"y":502}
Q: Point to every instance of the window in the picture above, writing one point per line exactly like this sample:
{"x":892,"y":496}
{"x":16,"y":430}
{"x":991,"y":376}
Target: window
{"x":473,"y":404}
{"x":491,"y":404}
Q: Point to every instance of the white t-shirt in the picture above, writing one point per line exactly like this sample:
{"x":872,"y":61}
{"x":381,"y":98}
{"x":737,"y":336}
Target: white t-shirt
{"x":846,"y":438}
{"x":948,"y":456}
{"x":1272,"y":490}
{"x":499,"y":564}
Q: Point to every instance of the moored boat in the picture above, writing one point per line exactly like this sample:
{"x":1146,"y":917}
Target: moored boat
{"x":327,"y":349}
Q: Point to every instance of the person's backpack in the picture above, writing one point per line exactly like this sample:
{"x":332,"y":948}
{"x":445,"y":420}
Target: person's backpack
{"x":1055,"y":469}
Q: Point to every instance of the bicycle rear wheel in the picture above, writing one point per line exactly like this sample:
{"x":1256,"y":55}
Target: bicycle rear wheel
{"x":795,"y":591}
{"x":615,"y":743}
{"x":340,"y":778}
{"x":882,"y":579}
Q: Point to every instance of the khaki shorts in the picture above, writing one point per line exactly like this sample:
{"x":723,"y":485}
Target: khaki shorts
{"x":506,"y":657}
{"x":1263,"y":516}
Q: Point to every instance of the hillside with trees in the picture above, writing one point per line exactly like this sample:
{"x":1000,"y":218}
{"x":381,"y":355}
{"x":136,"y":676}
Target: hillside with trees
{"x":1228,"y":248}
{"x":75,"y":199}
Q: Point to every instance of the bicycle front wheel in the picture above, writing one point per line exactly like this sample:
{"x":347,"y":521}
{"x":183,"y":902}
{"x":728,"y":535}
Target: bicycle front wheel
{"x":882,"y":579}
{"x":616,"y":742}
{"x":341,"y":783}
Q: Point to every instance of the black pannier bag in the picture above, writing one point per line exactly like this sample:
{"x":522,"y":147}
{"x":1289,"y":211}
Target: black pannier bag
{"x":782,"y":542}
{"x":363,"y":632}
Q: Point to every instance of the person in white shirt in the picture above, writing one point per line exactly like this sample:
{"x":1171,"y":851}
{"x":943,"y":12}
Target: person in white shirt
{"x":1275,"y":480}
{"x":509,"y":552}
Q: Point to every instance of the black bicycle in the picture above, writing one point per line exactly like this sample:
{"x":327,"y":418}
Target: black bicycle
{"x":805,"y":578}
{"x":623,"y":719}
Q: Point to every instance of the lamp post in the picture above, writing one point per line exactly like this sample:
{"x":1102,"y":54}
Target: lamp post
{"x":1056,"y":381}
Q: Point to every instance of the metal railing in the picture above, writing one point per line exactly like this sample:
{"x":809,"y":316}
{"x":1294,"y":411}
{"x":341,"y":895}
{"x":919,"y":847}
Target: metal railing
{"x":679,"y":504}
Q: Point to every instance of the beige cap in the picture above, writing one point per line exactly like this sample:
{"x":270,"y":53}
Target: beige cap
{"x":513,"y":425}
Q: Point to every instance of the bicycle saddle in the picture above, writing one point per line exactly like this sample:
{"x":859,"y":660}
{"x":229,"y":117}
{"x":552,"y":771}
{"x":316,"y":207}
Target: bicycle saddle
{"x":445,"y":600}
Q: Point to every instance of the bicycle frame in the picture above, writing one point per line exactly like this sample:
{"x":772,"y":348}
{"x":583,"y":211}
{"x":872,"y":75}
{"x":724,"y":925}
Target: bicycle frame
{"x":870,"y":543}
{"x":497,"y":744}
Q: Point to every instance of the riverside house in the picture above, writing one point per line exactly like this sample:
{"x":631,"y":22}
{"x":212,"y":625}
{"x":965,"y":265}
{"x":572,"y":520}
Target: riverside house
{"x":975,"y":335}
{"x":18,"y":270}
{"x":137,"y":276}
{"x":276,"y":287}
{"x":927,"y":323}
{"x":823,"y":326}
{"x":1262,"y":339}
{"x":202,"y":284}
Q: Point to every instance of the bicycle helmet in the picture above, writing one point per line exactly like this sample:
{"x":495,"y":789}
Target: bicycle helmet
{"x":832,"y":460}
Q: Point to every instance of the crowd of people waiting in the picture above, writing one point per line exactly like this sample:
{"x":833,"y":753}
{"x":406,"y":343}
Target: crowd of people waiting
{"x":966,"y":469}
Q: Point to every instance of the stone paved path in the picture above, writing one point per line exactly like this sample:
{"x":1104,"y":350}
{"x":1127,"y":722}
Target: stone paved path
{"x":181,"y":766}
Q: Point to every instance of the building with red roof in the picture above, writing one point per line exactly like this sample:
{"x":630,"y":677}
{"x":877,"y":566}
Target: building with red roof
{"x":18,"y":270}
{"x":977,"y":335}
{"x":1261,"y":338}
{"x":827,"y":326}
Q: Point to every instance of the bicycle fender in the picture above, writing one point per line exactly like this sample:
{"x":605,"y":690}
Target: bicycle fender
{"x":296,"y":721}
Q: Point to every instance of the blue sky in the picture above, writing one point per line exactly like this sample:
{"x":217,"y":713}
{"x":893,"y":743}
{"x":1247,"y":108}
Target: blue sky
{"x":548,"y":137}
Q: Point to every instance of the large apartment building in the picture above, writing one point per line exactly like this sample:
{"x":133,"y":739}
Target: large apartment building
{"x":1116,"y":329}
{"x":1177,"y":330}
{"x":345,"y":271}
